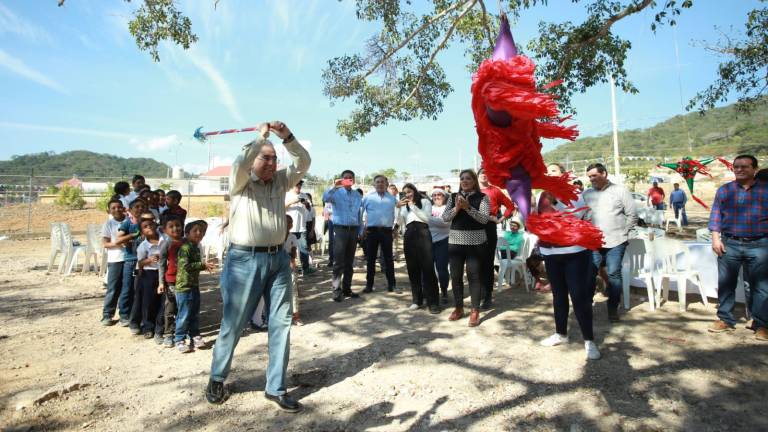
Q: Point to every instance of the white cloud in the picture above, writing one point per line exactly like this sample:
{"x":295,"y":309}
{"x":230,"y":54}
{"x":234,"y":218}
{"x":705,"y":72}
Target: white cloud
{"x":11,"y":23}
{"x":155,"y":144}
{"x":223,"y":89}
{"x":19,"y":68}
{"x":194,"y":168}
{"x":87,"y":42}
{"x":69,"y":130}
{"x":222,"y":160}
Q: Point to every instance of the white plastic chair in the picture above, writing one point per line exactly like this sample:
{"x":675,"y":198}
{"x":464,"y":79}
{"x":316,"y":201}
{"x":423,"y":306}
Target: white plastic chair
{"x":676,"y":221}
{"x":213,"y":241}
{"x":57,"y":247}
{"x":639,"y":262}
{"x":669,"y":251}
{"x":654,"y":217}
{"x":703,"y":235}
{"x":526,"y":249}
{"x":93,"y":248}
{"x":72,"y":249}
{"x":505,"y":264}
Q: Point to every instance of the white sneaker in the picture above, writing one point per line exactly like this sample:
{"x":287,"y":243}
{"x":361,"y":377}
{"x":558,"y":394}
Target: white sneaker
{"x":199,"y":342}
{"x":592,"y":352}
{"x":555,"y":339}
{"x":413,"y":307}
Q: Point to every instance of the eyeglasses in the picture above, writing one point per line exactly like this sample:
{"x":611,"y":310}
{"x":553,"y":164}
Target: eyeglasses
{"x":268,"y":158}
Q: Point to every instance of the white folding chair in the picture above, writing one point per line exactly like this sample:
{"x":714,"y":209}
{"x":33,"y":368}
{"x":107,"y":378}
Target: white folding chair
{"x":520,"y":262}
{"x":72,"y":249}
{"x":669,"y":251}
{"x":639,"y":262}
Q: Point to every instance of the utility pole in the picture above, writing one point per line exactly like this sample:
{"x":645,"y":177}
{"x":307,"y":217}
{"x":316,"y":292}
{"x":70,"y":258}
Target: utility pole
{"x":29,"y":207}
{"x":616,"y":165}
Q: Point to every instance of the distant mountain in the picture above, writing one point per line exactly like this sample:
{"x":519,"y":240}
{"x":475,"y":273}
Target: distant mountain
{"x":83,"y":164}
{"x":721,"y":131}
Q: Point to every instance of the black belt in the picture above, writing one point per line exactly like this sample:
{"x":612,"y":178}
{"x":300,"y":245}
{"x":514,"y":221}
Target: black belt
{"x":268,"y":249}
{"x":378,"y":228}
{"x":346,"y":227}
{"x":745,"y":239}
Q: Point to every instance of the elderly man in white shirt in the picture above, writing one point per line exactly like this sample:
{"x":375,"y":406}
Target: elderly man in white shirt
{"x":256,"y":262}
{"x":614,"y":212}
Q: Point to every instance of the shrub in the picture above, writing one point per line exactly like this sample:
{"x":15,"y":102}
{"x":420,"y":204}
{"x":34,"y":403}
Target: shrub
{"x":103,"y":200}
{"x":214,"y":210}
{"x":70,"y":197}
{"x":52,"y":190}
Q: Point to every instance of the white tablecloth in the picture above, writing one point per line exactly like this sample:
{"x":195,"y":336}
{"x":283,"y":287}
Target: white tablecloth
{"x":705,"y":262}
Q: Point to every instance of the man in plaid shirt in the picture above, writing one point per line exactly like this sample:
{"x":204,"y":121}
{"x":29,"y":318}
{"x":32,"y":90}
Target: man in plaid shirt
{"x":739,"y":226}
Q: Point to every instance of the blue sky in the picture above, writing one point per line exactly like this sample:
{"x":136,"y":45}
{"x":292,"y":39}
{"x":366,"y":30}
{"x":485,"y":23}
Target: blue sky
{"x":72,"y":78}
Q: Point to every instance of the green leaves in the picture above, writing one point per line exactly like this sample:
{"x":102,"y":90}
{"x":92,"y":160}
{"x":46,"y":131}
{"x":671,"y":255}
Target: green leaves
{"x":746,"y":70}
{"x":159,"y":20}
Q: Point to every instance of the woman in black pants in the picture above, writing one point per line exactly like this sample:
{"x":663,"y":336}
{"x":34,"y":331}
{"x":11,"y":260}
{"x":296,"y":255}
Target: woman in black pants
{"x":414,"y":213}
{"x":468,"y":212}
{"x":567,"y":275}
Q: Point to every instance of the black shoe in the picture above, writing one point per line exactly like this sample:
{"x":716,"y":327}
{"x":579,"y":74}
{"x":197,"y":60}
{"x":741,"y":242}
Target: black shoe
{"x":285,"y":402}
{"x":390,"y":288}
{"x":351,"y":294}
{"x":487,"y":304}
{"x":215,"y":392}
{"x":330,"y":264}
{"x":434,"y":309}
{"x":613,"y":315}
{"x":337,"y":297}
{"x":149,"y":335}
{"x":368,"y":290}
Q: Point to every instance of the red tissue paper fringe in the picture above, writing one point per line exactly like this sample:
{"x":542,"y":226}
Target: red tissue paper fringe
{"x":565,"y":229}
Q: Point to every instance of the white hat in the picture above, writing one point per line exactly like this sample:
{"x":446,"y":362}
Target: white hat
{"x":442,"y":191}
{"x":516,"y":219}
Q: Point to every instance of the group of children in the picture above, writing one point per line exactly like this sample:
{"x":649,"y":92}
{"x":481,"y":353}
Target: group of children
{"x":154,"y":263}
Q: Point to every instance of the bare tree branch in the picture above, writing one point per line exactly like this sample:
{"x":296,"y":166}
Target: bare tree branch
{"x":604,"y":30}
{"x":439,"y":48}
{"x":485,"y":23}
{"x":411,"y":36}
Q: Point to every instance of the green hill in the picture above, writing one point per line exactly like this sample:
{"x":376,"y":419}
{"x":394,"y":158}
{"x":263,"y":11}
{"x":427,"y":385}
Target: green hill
{"x":83,"y":164}
{"x":721,"y":131}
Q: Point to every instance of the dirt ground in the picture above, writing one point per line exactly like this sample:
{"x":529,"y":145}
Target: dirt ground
{"x":370,"y":364}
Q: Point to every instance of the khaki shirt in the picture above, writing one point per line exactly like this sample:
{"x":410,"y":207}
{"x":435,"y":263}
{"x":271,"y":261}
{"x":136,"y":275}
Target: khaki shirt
{"x":613,"y":211}
{"x":257,"y":209}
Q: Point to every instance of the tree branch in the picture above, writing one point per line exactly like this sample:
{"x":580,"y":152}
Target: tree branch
{"x":411,"y":36}
{"x":606,"y":27}
{"x":437,"y":50}
{"x":485,"y":22}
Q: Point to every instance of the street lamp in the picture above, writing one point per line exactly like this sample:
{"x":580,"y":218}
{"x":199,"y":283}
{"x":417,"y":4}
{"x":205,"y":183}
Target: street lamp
{"x":416,"y":156}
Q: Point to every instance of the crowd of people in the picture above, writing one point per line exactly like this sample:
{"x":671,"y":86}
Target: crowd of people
{"x":154,"y":259}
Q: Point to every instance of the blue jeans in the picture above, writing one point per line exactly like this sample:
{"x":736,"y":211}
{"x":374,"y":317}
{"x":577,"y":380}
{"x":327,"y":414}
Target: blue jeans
{"x":753,"y":256}
{"x":330,"y":242}
{"x":611,"y":258}
{"x":188,"y":315}
{"x":125,"y":303}
{"x":440,"y":258}
{"x":303,"y":249}
{"x":114,"y":289}
{"x":245,"y":276}
{"x":680,"y":207}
